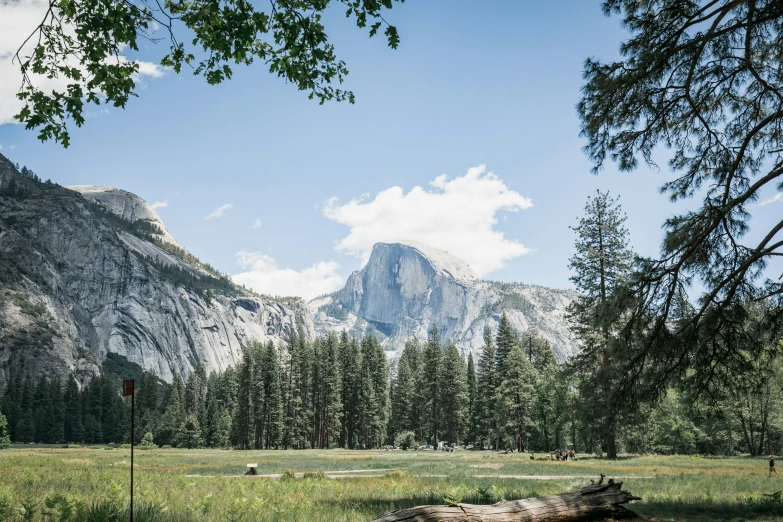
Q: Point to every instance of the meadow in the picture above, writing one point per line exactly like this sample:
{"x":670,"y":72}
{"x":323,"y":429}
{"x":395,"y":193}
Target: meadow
{"x":340,"y":485}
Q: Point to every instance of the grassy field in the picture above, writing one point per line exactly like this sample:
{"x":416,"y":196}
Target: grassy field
{"x":183,"y":485}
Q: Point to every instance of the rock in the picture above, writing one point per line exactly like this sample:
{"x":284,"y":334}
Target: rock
{"x":408,"y":287}
{"x":77,"y":283}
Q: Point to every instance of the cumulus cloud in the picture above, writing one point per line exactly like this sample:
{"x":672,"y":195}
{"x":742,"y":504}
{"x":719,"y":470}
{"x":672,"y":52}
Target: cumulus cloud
{"x":160,"y":204}
{"x":256,"y":223}
{"x":264,"y":276}
{"x":17,"y":20}
{"x":458,"y":215}
{"x":219,"y":211}
{"x":774,"y":199}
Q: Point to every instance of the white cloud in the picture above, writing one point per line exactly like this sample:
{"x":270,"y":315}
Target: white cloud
{"x":774,"y":199}
{"x":160,"y":204}
{"x":256,"y":223}
{"x":17,"y":20}
{"x":458,"y":215}
{"x":264,"y":276}
{"x":219,"y":211}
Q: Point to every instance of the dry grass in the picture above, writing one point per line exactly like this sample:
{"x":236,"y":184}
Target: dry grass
{"x":681,"y":488}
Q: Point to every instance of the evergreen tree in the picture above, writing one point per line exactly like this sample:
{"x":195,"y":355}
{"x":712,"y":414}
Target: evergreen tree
{"x":74,"y":430}
{"x":473,"y":421}
{"x":350,"y":363}
{"x":404,"y":394}
{"x":430,"y":378}
{"x":330,"y":404}
{"x":486,"y":385}
{"x":505,"y":339}
{"x":189,"y":433}
{"x":173,"y":414}
{"x":453,"y":395}
{"x":243,"y":411}
{"x":273,"y":405}
{"x":515,"y":400}
{"x":601,"y":266}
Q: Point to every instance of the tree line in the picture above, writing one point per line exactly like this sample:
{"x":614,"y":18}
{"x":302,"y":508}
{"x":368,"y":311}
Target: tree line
{"x":337,"y":391}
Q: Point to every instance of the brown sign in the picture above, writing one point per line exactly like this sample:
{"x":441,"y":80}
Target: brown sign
{"x":127,"y":387}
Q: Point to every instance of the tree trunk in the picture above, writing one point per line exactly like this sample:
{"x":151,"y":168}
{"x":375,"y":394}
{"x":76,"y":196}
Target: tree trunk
{"x":594,"y":502}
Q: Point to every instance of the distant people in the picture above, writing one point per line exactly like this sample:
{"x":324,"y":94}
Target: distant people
{"x":772,"y":467}
{"x":571,"y":454}
{"x":532,"y":456}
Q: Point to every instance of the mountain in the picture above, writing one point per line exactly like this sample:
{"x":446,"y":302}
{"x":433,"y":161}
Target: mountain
{"x":89,"y":271}
{"x":406,"y":288}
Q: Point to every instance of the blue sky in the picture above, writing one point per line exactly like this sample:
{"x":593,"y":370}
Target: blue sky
{"x":490,"y":83}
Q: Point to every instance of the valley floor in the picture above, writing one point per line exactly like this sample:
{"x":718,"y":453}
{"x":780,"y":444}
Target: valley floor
{"x":183,"y":485}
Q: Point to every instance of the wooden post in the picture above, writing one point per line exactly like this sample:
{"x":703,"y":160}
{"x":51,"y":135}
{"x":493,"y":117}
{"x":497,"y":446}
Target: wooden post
{"x":128,"y":389}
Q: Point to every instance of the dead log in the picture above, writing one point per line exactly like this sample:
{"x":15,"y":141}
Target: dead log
{"x":594,"y":502}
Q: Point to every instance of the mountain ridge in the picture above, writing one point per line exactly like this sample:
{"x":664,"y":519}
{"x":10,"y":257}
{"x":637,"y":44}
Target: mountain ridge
{"x":78,"y":281}
{"x":404,"y":290}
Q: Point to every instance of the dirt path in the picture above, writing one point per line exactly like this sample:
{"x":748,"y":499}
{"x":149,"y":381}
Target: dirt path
{"x":353,"y":473}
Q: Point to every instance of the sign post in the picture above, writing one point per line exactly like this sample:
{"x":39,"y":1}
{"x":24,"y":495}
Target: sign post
{"x":128,"y":389}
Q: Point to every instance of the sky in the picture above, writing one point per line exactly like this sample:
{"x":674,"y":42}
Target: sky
{"x":465,"y":138}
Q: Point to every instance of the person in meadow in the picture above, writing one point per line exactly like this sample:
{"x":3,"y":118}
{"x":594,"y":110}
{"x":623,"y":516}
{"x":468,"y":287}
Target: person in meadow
{"x":772,"y":466}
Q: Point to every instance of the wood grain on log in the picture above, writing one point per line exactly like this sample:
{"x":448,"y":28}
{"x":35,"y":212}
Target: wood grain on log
{"x":594,"y":502}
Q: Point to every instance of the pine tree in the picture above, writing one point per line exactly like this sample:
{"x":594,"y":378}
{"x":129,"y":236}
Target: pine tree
{"x":515,"y":400}
{"x":404,"y":394}
{"x":350,"y":365}
{"x":486,"y":385}
{"x":243,"y":410}
{"x":273,"y":413}
{"x":189,"y":433}
{"x":505,"y":339}
{"x":601,"y":265}
{"x":74,"y":430}
{"x":453,"y":395}
{"x":430,"y":378}
{"x":472,"y":410}
{"x":331,"y":387}
{"x":173,"y":414}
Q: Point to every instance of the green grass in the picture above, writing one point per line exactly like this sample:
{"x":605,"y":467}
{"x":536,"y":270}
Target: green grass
{"x":672,"y":488}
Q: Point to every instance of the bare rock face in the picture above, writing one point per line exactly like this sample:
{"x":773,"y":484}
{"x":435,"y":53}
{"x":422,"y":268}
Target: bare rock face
{"x":126,"y":205}
{"x":79,"y":279}
{"x":406,"y":288}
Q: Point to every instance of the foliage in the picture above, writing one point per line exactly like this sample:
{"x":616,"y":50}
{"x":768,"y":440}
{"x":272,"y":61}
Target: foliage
{"x":601,"y":266}
{"x":81,"y":41}
{"x":705,"y":80}
{"x":405,"y":440}
{"x":5,"y":436}
{"x":684,"y":488}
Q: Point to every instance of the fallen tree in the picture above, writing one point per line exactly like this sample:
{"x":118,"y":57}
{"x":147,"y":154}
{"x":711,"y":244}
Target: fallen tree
{"x":598,"y":501}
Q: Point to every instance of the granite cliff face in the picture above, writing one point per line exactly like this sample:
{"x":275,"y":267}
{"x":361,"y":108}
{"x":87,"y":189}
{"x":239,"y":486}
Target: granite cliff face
{"x":408,"y":287}
{"x":93,"y":270}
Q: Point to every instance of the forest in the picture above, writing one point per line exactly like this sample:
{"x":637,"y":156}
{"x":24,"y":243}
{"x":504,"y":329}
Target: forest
{"x":337,"y":391}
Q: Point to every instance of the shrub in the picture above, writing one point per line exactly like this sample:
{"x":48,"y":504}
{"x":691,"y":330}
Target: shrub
{"x":405,"y":440}
{"x":287,"y":476}
{"x":147,"y":442}
{"x":315,"y":475}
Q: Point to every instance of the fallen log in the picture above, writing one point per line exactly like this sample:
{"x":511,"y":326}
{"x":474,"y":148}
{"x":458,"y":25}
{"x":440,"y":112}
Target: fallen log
{"x":594,"y":502}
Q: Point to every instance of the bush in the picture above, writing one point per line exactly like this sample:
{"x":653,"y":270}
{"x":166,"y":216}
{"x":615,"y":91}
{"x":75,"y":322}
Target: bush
{"x":147,"y":442}
{"x":5,"y":437}
{"x":405,"y":440}
{"x":315,"y":475}
{"x":287,"y":475}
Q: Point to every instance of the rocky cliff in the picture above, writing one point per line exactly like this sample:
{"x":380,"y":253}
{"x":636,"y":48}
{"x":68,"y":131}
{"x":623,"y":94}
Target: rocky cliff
{"x":93,"y":270}
{"x":408,"y":287}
